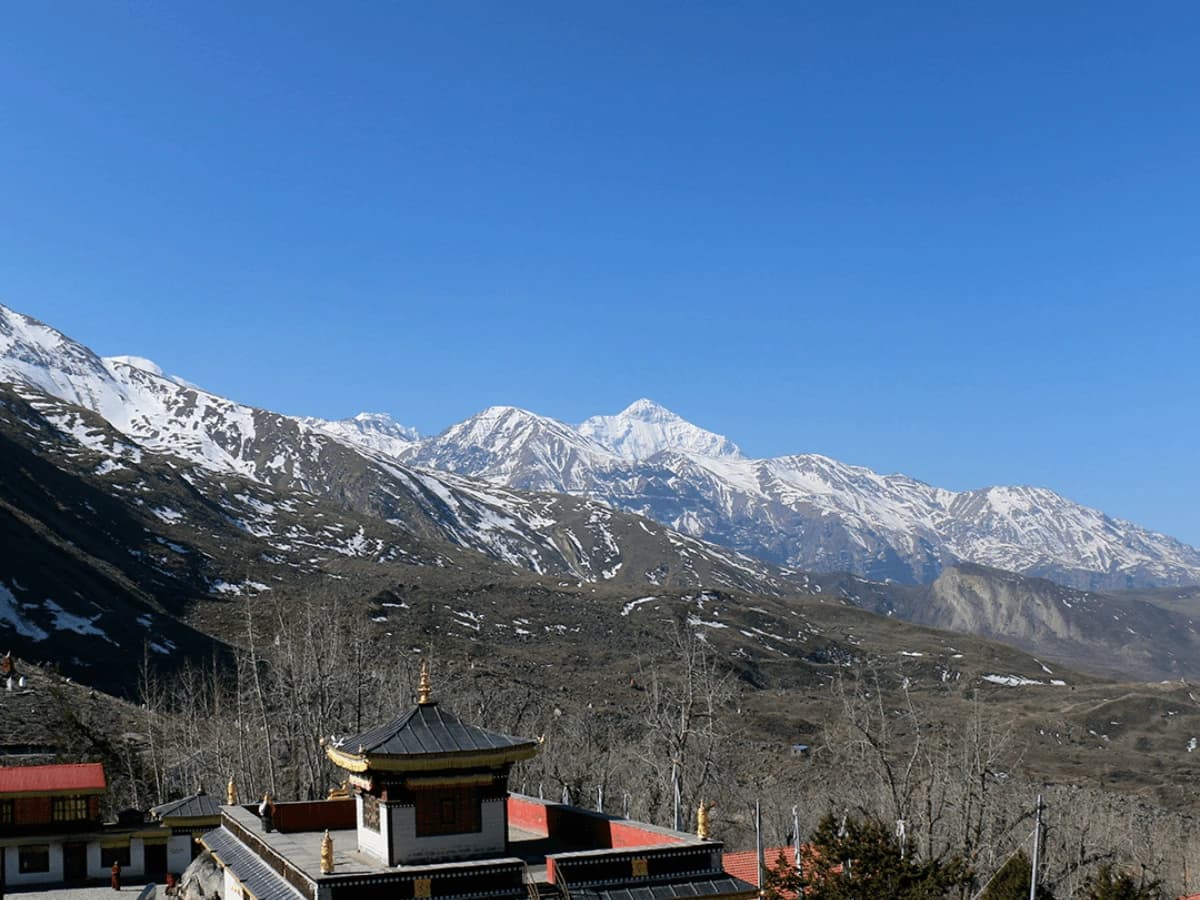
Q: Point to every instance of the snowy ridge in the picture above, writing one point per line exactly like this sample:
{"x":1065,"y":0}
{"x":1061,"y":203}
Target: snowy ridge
{"x":806,"y":511}
{"x":377,"y":432}
{"x":517,"y":448}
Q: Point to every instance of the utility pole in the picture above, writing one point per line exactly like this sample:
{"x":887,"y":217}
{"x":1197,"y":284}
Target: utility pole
{"x":796,"y":834}
{"x":675,"y":822}
{"x":758,"y":845}
{"x":1037,"y":849}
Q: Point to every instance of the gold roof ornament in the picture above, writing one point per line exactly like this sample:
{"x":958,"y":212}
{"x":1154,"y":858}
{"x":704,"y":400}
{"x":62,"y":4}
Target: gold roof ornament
{"x":702,"y":823}
{"x":327,"y":854}
{"x":424,"y":690}
{"x":341,"y":792}
{"x":231,"y":797}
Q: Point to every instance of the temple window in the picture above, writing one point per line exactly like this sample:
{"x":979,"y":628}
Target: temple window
{"x":69,"y":809}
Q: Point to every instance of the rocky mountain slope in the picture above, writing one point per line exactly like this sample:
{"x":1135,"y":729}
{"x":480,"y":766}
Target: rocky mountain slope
{"x":805,"y":511}
{"x":1147,"y":634}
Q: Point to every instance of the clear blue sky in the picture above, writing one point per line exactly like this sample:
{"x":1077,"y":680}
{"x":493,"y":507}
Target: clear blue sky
{"x":956,"y":240}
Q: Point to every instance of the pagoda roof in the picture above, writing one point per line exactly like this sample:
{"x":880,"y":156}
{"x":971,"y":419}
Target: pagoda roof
{"x":427,"y":737}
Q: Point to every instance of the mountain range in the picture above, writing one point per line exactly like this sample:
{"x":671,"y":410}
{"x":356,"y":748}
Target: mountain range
{"x":805,"y":511}
{"x":128,"y":496}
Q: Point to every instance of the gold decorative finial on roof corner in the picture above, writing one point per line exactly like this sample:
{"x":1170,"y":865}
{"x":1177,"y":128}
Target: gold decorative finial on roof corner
{"x":702,"y":826}
{"x":341,"y":792}
{"x":327,"y":854}
{"x":231,"y":797}
{"x":424,"y":690}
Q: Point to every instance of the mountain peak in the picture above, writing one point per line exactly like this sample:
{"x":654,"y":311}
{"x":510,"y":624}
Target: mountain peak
{"x":500,"y":425}
{"x":378,"y":432}
{"x":138,"y":362}
{"x":645,"y":428}
{"x":647,"y":410}
{"x":382,"y":423}
{"x":33,"y":353}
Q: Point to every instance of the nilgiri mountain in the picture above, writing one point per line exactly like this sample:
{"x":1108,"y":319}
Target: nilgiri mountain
{"x":805,"y":511}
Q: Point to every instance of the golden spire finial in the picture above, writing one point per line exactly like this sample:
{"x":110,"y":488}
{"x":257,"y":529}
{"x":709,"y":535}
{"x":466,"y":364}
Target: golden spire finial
{"x":326,"y":854}
{"x":424,"y":691}
{"x":702,"y":831}
{"x":231,"y":797}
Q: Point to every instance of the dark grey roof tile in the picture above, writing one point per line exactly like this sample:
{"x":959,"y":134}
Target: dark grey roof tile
{"x":195,"y":806}
{"x":427,"y":730}
{"x":248,"y":868}
{"x":714,"y":887}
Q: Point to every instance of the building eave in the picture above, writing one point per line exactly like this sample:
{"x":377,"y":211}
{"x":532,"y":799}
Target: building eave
{"x":473,"y":759}
{"x":32,"y":795}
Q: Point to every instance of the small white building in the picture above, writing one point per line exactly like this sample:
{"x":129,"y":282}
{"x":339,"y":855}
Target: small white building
{"x":51,"y":833}
{"x":186,"y":820}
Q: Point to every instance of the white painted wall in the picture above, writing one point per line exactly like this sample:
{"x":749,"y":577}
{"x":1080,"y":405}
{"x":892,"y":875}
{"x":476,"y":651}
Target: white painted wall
{"x":135,"y":869}
{"x":94,"y":869}
{"x":12,"y":872}
{"x":179,"y":853}
{"x":231,"y":889}
{"x":408,"y":848}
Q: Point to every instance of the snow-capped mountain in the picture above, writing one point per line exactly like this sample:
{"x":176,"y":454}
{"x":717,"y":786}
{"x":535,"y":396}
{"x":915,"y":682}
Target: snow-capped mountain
{"x":126,"y":495}
{"x":377,"y":432}
{"x":645,"y":428}
{"x":352,"y":464}
{"x":517,"y":448}
{"x":806,"y":511}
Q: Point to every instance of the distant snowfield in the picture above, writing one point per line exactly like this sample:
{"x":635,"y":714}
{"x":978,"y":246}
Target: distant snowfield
{"x":1019,"y":681}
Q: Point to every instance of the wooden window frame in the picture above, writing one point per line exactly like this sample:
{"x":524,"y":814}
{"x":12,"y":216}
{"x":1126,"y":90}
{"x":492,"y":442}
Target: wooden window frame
{"x":70,"y":809}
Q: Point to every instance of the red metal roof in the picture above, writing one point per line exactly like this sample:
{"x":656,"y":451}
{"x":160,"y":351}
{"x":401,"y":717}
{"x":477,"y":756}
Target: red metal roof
{"x":49,"y":779}
{"x":744,"y":863}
